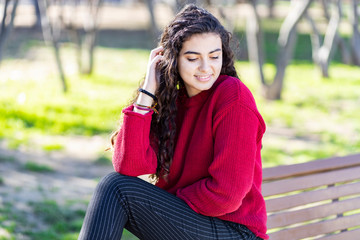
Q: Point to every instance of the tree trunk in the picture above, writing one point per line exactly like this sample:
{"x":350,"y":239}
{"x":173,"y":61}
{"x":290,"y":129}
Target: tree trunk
{"x":345,"y":54}
{"x":286,"y":41}
{"x":154,"y":30}
{"x":254,"y":37}
{"x":328,"y":48}
{"x":37,"y":13}
{"x":355,"y":40}
{"x":51,"y":37}
{"x":7,"y":27}
{"x":271,"y":4}
{"x":89,"y":41}
{"x":315,"y":38}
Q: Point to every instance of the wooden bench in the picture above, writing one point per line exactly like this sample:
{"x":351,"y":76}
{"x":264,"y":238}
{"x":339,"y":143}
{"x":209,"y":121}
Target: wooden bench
{"x":314,"y":200}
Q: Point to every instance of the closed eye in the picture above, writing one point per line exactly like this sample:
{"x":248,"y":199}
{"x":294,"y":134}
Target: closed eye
{"x":192,"y":59}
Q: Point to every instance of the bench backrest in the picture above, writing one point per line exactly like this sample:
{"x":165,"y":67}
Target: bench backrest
{"x":319,"y":198}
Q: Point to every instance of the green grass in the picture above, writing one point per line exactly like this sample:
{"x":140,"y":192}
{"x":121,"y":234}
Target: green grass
{"x":6,"y":158}
{"x":52,"y":147}
{"x":103,"y":159}
{"x":8,"y":220}
{"x":91,"y":106}
{"x":36,"y":167}
{"x":63,"y":221}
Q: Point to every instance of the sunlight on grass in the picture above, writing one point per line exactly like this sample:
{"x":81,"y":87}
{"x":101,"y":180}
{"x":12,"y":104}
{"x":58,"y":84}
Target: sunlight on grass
{"x":316,"y":118}
{"x":92,"y":106}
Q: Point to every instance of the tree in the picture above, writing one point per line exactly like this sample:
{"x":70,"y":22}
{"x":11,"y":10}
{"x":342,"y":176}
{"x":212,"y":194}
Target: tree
{"x":322,"y":54}
{"x":85,"y":38}
{"x":51,"y":33}
{"x":355,"y":40}
{"x":7,"y":22}
{"x":286,"y":42}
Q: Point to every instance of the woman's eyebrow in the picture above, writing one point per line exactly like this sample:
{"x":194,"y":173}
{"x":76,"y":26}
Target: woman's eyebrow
{"x":197,"y":53}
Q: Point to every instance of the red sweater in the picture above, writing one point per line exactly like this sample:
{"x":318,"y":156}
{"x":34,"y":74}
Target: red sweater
{"x":216,"y":167}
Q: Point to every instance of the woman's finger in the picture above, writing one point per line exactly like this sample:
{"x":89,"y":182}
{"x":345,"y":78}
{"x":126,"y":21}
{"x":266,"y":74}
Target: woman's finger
{"x":155,"y":52}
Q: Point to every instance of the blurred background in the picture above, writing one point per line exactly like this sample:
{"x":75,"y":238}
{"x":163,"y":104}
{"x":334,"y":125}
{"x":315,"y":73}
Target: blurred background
{"x":67,"y":68}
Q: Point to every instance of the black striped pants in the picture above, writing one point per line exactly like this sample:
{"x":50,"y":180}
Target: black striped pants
{"x":149,"y":213}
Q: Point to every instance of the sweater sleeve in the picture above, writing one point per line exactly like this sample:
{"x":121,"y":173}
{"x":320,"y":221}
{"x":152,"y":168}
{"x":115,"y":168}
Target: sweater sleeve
{"x":133,"y":154}
{"x":236,"y":134}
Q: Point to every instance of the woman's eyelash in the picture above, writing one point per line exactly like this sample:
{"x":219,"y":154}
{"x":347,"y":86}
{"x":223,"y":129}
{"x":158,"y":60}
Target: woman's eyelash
{"x":194,"y":59}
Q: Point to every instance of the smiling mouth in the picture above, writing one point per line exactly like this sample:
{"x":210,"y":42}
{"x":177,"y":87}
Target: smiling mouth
{"x":203,"y":78}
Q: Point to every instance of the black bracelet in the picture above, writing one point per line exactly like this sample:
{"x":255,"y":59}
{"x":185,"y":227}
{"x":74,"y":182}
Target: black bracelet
{"x":149,"y":94}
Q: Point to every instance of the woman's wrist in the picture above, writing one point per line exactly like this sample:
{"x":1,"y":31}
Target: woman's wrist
{"x":149,"y":87}
{"x":145,"y":99}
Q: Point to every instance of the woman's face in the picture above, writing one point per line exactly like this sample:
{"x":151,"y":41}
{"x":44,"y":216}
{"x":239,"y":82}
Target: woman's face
{"x":200,"y":61}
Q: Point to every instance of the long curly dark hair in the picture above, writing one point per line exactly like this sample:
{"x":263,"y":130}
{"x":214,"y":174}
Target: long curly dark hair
{"x":189,"y":21}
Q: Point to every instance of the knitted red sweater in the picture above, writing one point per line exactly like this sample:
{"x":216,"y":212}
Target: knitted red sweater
{"x":216,"y":167}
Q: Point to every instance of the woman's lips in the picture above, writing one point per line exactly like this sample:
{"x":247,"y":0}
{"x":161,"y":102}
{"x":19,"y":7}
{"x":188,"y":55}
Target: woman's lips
{"x":203,"y":78}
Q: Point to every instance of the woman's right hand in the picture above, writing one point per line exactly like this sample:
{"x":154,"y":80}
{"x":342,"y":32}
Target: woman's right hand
{"x":151,"y":80}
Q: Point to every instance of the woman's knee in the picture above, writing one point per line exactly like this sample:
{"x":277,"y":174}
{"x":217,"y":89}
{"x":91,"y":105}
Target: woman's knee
{"x":111,"y":181}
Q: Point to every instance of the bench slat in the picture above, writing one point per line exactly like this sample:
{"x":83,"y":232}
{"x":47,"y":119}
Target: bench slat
{"x":312,"y":213}
{"x":310,"y":167}
{"x":314,"y":180}
{"x":315,"y":229}
{"x":286,"y":202}
{"x":353,"y":234}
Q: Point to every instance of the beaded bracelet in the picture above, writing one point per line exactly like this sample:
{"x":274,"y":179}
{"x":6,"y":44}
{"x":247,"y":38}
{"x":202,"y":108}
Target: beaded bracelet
{"x":148,"y":93}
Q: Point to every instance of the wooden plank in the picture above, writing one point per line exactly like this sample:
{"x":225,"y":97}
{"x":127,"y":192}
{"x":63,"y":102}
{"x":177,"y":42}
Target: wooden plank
{"x":315,"y":229}
{"x":314,"y":180}
{"x":311,"y":167}
{"x":317,"y":212}
{"x":303,"y":198}
{"x":353,"y":234}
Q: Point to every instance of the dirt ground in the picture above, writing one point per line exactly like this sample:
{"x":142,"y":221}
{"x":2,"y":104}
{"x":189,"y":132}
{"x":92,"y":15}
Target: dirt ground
{"x":73,"y":180}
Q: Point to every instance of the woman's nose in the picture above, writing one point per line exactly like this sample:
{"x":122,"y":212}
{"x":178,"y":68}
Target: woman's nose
{"x":204,"y":66}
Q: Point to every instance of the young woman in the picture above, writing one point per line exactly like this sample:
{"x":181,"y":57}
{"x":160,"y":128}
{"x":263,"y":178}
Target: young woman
{"x":195,"y":127}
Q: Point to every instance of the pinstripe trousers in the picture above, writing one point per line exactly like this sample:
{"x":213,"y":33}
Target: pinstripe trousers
{"x":149,"y":213}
